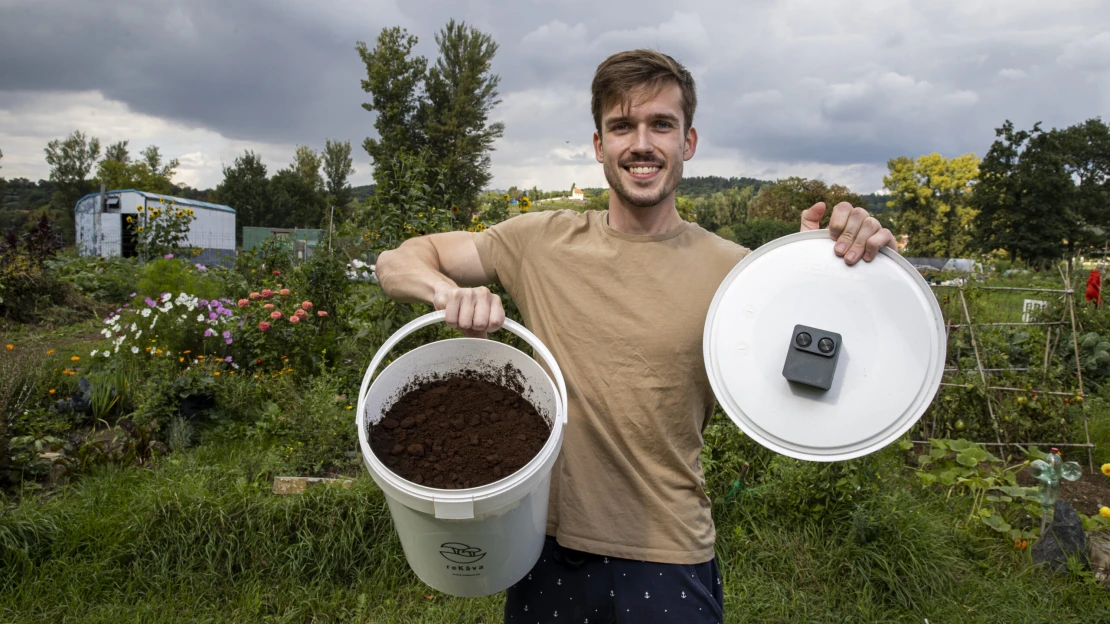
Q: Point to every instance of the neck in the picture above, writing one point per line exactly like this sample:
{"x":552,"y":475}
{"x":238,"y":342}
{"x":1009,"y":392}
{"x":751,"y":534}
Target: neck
{"x":657,"y":219}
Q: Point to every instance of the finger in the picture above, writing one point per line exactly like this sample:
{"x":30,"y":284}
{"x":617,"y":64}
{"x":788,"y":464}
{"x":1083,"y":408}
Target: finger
{"x":851,"y":230}
{"x":466,"y":309}
{"x":839,"y":219}
{"x":867,"y":229}
{"x":481,"y":309}
{"x":882,"y":238}
{"x":451,"y":309}
{"x":496,"y":314}
{"x":811,"y":217}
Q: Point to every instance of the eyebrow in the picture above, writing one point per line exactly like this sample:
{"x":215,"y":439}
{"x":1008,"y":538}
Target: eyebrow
{"x":659,"y":117}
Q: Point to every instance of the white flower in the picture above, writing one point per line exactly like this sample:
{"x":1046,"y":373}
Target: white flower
{"x":106,"y":354}
{"x":181,"y":318}
{"x":93,"y":354}
{"x":134,"y":327}
{"x":134,"y":349}
{"x":140,"y":333}
{"x":154,"y":322}
{"x":145,"y":312}
{"x":200,"y":318}
{"x":107,"y":333}
{"x":116,"y":350}
{"x":165,"y":296}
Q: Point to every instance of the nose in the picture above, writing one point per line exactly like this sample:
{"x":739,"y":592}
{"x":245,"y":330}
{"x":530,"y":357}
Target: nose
{"x":642,"y":141}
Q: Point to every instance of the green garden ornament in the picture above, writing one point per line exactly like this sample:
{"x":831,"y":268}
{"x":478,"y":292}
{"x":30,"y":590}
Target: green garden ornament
{"x":1048,"y":474}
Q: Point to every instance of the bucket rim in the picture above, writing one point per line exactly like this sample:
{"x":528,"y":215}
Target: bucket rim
{"x":478,"y":493}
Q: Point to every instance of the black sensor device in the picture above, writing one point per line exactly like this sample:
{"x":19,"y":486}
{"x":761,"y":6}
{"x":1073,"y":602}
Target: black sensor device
{"x":811,"y":357}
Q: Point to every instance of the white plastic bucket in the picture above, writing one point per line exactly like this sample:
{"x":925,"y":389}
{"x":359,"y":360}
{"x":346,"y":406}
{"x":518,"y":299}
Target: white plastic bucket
{"x":475,"y":541}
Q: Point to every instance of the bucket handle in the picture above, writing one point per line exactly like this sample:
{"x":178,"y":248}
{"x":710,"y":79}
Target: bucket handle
{"x":440,"y":315}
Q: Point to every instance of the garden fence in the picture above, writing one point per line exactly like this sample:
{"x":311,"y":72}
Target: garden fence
{"x":953,"y":297}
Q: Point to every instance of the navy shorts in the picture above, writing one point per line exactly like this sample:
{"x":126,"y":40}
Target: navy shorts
{"x":567,"y":586}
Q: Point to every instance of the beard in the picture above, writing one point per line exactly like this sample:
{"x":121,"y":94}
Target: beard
{"x":644,"y":198}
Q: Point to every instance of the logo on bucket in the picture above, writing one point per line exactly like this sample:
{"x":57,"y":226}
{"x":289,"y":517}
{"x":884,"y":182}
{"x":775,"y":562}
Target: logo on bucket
{"x":458,"y":552}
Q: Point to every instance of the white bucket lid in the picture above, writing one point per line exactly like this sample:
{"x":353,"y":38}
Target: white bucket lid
{"x":888,"y":369}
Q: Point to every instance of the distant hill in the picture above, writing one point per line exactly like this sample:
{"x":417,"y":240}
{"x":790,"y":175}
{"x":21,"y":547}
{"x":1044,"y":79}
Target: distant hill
{"x":695,"y":186}
{"x":362,"y":193}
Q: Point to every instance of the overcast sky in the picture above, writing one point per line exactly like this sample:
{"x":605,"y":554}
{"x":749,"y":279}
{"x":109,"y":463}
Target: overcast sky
{"x":815,"y":88}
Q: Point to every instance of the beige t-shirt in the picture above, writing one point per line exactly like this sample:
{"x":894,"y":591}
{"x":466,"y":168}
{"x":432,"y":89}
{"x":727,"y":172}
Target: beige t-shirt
{"x":623,"y":315}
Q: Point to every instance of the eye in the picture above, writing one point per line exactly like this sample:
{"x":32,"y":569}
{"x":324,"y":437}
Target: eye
{"x":666,"y":125}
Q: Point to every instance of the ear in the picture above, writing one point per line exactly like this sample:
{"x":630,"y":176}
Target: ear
{"x":691,"y":144}
{"x":598,"y":149}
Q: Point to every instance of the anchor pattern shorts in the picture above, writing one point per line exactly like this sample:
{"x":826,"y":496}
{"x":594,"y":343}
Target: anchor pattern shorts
{"x":571,"y":587}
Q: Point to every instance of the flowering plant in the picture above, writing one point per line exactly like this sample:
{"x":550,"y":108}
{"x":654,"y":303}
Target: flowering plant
{"x":280,"y":330}
{"x":162,"y":229}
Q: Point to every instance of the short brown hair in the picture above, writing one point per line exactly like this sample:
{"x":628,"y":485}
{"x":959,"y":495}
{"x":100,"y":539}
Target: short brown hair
{"x":624,"y":72}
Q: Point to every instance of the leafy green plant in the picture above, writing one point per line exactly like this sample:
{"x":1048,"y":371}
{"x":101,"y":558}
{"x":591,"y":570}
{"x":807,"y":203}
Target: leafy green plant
{"x":162,"y":229}
{"x":996,"y":499}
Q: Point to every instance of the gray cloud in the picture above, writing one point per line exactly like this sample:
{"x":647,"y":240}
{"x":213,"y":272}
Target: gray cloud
{"x":831,"y":88}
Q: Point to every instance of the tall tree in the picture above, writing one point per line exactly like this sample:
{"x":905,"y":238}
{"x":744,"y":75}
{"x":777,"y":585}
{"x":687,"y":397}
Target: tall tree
{"x":1086,"y":151}
{"x":787,"y":198}
{"x":298,"y":192}
{"x":71,"y":160}
{"x":246,"y":189}
{"x":932,"y":196}
{"x":439,"y":115}
{"x":1022,"y":196}
{"x":461,"y":92}
{"x":118,"y":152}
{"x":118,"y":171}
{"x":338,"y":166}
{"x":394,"y":81}
{"x":152,"y":158}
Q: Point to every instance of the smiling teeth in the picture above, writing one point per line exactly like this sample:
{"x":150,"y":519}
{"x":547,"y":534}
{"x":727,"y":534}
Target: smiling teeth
{"x":643,"y":169}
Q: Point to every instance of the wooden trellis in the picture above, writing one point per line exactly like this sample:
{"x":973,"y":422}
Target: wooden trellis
{"x":1051,"y":343}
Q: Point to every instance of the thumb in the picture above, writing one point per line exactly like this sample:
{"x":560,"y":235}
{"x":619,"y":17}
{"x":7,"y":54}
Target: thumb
{"x":811,"y":217}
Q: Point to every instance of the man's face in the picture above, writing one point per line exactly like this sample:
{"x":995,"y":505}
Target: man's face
{"x":643,"y":149}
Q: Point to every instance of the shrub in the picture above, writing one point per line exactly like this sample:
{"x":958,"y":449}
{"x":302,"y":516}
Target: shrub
{"x":175,"y":275}
{"x":758,"y":232}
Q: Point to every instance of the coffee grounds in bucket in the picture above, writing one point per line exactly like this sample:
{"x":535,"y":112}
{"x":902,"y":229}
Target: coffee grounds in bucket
{"x":458,"y":432}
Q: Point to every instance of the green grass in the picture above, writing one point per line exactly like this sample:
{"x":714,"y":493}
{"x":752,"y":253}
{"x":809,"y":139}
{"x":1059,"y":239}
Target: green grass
{"x":200,"y":538}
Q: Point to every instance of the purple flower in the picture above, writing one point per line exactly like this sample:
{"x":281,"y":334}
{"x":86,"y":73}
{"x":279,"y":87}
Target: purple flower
{"x":240,"y":323}
{"x":228,"y":341}
{"x":203,"y":302}
{"x":227,"y":359}
{"x":201,"y":267}
{"x":127,"y":305}
{"x":225,"y":312}
{"x":168,"y":256}
{"x":211,"y":316}
{"x":227,"y":334}
{"x":150,"y":302}
{"x":209,"y":332}
{"x":132,"y":294}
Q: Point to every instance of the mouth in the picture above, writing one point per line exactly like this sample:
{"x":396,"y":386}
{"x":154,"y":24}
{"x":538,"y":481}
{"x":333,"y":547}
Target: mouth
{"x":643,"y":171}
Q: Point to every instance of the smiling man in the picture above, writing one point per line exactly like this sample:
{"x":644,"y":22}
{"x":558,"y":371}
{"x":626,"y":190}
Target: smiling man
{"x":620,"y":298}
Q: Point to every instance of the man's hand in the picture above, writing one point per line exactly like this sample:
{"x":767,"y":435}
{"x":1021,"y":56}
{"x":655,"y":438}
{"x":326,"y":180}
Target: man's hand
{"x":475,"y":312}
{"x":857,"y":233}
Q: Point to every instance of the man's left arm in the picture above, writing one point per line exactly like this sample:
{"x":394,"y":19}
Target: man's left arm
{"x":858,"y":234}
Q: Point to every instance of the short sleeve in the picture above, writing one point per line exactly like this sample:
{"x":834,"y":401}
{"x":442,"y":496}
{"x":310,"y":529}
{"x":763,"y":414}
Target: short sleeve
{"x":503,"y":247}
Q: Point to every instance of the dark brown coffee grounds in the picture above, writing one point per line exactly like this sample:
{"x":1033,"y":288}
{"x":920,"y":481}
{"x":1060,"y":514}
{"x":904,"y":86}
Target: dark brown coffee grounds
{"x":458,"y":432}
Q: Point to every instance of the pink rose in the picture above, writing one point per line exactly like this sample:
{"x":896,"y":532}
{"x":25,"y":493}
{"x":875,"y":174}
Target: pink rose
{"x":255,"y":296}
{"x":321,"y":313}
{"x":300,"y":313}
{"x":295,"y":319}
{"x":267,"y":293}
{"x":284,"y":292}
{"x":268,"y":306}
{"x":276,"y":314}
{"x":263,"y":326}
{"x":244,"y":303}
{"x":307,"y":305}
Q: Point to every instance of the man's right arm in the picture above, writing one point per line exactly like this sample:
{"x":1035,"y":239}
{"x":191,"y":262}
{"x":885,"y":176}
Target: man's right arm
{"x":443,"y":270}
